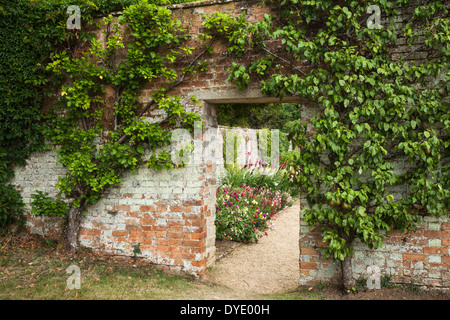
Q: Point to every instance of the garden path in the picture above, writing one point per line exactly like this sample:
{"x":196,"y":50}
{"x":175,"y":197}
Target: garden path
{"x":269,"y":266}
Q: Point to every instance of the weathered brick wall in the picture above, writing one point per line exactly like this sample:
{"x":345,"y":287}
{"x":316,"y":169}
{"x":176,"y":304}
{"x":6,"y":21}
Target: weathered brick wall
{"x":421,"y":257}
{"x":167,"y":212}
{"x":171,"y":213}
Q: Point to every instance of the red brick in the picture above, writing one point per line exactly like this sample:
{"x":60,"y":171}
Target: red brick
{"x":191,"y":243}
{"x":133,"y":214}
{"x":161,"y":209}
{"x":179,"y":255}
{"x":394,"y":233}
{"x":133,"y":227}
{"x":132,"y":222}
{"x":304,"y":272}
{"x":176,"y":209}
{"x":174,"y":249}
{"x":160,"y":234}
{"x":172,"y":223}
{"x":147,"y":247}
{"x":322,"y":244}
{"x":119,"y":233}
{"x":307,"y":265}
{"x":175,"y":228}
{"x":137,"y":234}
{"x":147,"y":222}
{"x":161,"y":248}
{"x":175,"y":235}
{"x":147,"y":241}
{"x":437,"y":265}
{"x":192,"y":236}
{"x":436,"y":234}
{"x":308,"y":251}
{"x":201,"y":263}
{"x":147,"y":209}
{"x":434,"y":250}
{"x":122,"y":208}
{"x":175,"y":242}
{"x":418,"y":233}
{"x":414,"y":257}
{"x":90,"y":232}
{"x":195,"y":222}
{"x":159,"y":228}
{"x":445,"y":226}
{"x":445,"y":259}
{"x":194,"y":203}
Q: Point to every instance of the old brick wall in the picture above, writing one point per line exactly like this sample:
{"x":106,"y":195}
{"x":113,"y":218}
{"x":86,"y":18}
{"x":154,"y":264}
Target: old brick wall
{"x":421,"y":257}
{"x":171,"y":213}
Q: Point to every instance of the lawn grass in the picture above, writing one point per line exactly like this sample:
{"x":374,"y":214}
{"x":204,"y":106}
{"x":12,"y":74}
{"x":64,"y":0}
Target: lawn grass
{"x":34,"y":269}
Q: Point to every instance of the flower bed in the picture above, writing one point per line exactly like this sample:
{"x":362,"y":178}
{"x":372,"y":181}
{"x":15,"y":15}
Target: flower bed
{"x":243,"y":213}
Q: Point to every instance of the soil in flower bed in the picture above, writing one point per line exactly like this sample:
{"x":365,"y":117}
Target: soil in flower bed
{"x":225,"y":247}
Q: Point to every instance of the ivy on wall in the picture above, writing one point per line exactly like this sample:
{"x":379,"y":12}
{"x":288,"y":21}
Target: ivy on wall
{"x":98,"y":122}
{"x":384,"y":119}
{"x":34,"y":34}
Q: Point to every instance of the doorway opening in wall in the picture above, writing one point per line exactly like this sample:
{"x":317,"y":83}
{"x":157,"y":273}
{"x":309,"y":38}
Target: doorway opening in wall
{"x":257,"y":201}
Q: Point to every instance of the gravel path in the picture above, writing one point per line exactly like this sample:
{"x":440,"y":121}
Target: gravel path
{"x":269,"y":266}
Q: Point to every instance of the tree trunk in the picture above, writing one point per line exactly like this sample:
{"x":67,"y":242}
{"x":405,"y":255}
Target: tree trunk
{"x":347,"y":274}
{"x":72,"y":229}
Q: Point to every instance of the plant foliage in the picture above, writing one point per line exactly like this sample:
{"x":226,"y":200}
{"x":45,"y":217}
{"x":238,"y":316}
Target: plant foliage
{"x":375,"y":157}
{"x":244,"y":212}
{"x":64,"y":87}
